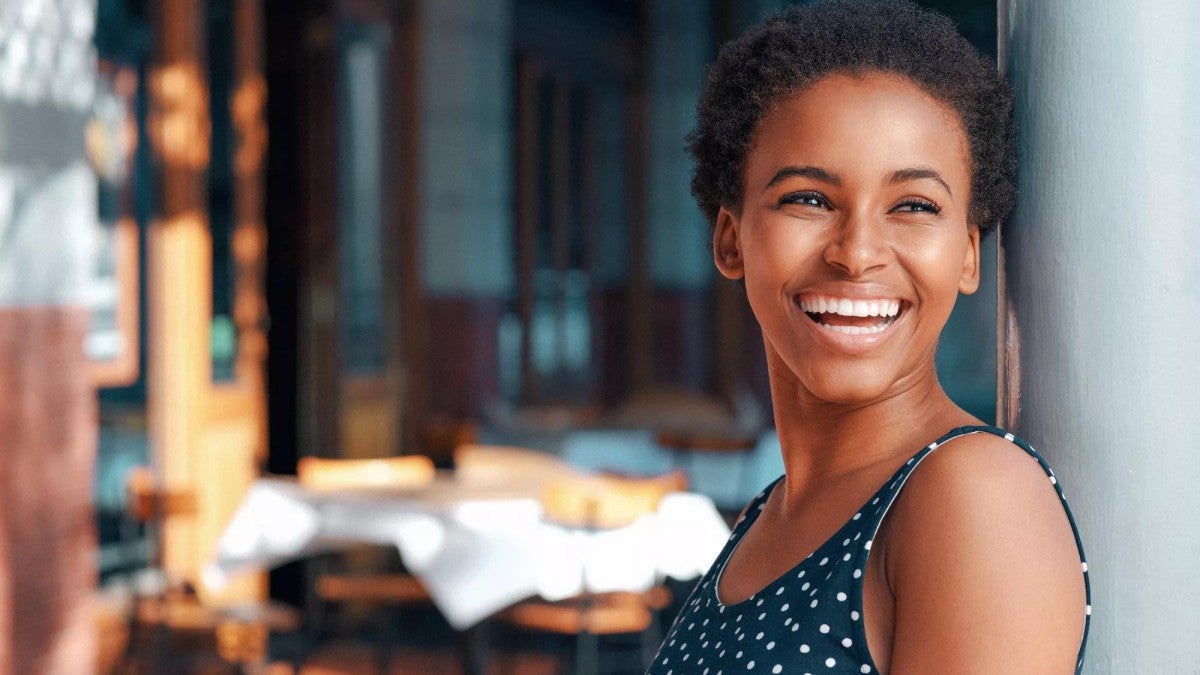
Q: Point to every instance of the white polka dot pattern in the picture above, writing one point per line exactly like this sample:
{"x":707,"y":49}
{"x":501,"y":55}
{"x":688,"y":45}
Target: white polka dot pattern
{"x":824,"y":634}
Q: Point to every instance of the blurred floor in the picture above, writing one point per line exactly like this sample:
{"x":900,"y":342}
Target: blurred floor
{"x":358,"y":658}
{"x":508,"y":653}
{"x":345,"y":658}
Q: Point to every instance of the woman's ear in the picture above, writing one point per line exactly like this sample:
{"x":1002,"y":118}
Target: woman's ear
{"x":727,"y":250}
{"x":968,"y":283}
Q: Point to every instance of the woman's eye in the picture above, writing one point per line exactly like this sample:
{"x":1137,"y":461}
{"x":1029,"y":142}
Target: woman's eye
{"x":917,"y":206}
{"x":805,"y":199}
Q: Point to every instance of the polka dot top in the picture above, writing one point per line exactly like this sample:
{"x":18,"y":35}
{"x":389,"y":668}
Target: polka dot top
{"x":809,"y":620}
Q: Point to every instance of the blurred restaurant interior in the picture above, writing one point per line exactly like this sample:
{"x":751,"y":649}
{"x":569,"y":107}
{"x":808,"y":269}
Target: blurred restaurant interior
{"x":305,"y":234}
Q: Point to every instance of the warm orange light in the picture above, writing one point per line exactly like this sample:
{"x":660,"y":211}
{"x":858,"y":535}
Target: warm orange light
{"x":249,"y":102}
{"x":179,"y":124}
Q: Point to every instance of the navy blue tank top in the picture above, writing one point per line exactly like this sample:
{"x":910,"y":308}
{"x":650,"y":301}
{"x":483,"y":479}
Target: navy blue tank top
{"x":809,"y":620}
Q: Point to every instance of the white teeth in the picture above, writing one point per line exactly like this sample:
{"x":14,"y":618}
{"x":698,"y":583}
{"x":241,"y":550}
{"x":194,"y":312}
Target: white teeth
{"x":857,"y":330}
{"x":847,"y":307}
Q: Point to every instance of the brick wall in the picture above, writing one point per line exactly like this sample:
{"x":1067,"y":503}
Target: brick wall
{"x":47,"y":532}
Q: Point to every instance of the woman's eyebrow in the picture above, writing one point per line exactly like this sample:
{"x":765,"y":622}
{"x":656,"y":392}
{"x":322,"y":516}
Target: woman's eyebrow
{"x":917,"y":173}
{"x":812,"y":172}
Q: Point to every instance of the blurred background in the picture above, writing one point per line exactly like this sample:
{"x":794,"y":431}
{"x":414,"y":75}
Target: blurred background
{"x":355,"y":229}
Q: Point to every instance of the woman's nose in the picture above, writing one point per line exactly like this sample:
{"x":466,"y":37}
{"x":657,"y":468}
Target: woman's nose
{"x":857,"y":246}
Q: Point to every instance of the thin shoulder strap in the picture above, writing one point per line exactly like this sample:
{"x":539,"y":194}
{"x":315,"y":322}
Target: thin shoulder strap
{"x":893,"y":487}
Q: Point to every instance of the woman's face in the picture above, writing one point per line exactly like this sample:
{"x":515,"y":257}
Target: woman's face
{"x":852,"y":235}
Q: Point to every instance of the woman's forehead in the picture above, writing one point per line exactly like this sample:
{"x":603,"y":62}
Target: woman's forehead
{"x":860,"y":123}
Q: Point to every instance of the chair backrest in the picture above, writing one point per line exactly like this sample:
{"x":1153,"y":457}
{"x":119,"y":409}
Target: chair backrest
{"x":713,"y":442}
{"x":442,"y":436}
{"x":478,"y":464}
{"x":147,"y":501}
{"x":607,"y":501}
{"x":389,"y":472}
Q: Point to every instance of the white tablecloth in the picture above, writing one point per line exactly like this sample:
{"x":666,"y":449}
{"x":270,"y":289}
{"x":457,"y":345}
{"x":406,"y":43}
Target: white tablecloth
{"x":477,"y":548}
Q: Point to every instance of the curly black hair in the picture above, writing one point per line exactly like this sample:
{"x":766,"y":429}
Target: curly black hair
{"x":798,"y":46}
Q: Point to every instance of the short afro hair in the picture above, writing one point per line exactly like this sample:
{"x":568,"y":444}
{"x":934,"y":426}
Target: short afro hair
{"x":791,"y":50}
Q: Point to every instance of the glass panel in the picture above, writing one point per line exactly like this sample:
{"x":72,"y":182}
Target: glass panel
{"x":561,"y":334}
{"x":360,"y":182}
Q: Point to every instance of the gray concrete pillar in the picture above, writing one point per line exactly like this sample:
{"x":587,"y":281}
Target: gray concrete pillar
{"x":1102,"y":261}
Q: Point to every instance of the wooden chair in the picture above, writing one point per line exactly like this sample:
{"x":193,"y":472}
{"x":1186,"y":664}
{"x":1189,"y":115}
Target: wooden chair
{"x":389,"y":472}
{"x":444,"y":435}
{"x":606,"y":501}
{"x":156,"y":596}
{"x":481,"y":465}
{"x":689,"y":424}
{"x":596,"y":503}
{"x":170,"y":606}
{"x":336,"y":586}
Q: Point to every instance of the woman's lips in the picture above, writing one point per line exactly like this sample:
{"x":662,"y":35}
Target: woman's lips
{"x":862,"y":318}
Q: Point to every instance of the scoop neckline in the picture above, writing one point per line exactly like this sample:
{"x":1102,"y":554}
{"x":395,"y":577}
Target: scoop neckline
{"x":752,"y":516}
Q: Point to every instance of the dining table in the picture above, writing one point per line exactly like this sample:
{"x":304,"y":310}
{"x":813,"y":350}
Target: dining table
{"x":477,"y":537}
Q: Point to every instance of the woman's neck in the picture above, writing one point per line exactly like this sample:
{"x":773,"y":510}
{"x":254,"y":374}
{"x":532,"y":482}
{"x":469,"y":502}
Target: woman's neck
{"x":823,"y":441}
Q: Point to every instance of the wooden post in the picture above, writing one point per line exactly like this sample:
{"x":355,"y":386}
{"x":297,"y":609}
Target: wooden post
{"x":407,"y":353}
{"x":200,"y":430}
{"x":179,"y":263}
{"x":250,"y":233}
{"x":319,"y":367}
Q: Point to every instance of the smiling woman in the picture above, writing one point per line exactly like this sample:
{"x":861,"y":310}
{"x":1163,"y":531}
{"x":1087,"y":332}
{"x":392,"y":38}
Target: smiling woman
{"x":860,"y":209}
{"x":850,"y":156}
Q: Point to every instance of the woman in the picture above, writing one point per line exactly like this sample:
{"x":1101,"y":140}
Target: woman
{"x":850,"y":156}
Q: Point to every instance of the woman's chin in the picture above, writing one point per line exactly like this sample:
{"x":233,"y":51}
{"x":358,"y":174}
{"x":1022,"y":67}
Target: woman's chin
{"x":848,"y":389}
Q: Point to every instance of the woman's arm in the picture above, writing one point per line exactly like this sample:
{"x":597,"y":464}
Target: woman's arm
{"x":983,"y":566}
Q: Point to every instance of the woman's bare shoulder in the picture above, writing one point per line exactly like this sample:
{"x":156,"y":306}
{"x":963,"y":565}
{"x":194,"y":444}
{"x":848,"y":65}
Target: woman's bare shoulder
{"x":983,"y":566}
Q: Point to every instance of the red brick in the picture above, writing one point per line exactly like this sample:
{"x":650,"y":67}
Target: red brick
{"x":47,"y":529}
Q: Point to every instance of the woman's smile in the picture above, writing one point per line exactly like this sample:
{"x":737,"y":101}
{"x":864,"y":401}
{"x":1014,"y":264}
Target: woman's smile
{"x":848,"y":321}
